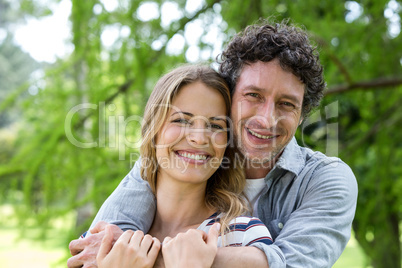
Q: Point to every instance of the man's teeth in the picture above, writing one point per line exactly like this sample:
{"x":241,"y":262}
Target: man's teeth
{"x":194,"y":156}
{"x":260,"y":136}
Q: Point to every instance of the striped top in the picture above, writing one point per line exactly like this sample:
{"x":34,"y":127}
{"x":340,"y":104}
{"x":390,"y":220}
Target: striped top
{"x":244,"y":231}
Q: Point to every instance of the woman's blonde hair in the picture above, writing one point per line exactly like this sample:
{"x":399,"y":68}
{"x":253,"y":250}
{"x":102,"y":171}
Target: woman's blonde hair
{"x":224,"y":190}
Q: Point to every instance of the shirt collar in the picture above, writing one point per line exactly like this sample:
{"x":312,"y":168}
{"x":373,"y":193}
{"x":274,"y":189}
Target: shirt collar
{"x":292,"y":158}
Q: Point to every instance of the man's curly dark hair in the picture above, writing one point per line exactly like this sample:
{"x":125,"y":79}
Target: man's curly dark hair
{"x":266,"y":42}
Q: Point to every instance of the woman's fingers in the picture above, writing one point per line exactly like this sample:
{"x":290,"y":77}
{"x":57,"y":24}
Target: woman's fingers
{"x":136,"y":239}
{"x":153,"y":252}
{"x":106,"y":244}
{"x":125,"y":237}
{"x":132,"y":249}
{"x":166,"y":240}
{"x":213,"y":234}
{"x":146,"y":244}
{"x":194,"y":248}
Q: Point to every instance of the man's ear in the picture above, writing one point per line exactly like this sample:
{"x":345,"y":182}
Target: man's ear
{"x":301,"y":120}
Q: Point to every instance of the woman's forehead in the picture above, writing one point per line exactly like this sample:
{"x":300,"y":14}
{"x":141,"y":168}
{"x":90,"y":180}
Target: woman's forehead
{"x":198,"y":99}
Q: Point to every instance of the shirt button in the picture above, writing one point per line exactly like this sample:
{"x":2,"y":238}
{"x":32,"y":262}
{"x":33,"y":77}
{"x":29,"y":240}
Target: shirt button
{"x":280,"y":225}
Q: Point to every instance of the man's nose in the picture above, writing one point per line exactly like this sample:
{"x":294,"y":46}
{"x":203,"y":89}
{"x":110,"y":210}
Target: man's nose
{"x":266,"y":114}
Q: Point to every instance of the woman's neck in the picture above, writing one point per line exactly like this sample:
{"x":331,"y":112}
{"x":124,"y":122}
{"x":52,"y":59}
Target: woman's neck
{"x":179,"y":207}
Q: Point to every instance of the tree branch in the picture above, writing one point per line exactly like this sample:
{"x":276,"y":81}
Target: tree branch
{"x":121,"y":89}
{"x":124,"y":87}
{"x":181,"y":24}
{"x":338,"y":63}
{"x":377,"y":126}
{"x":380,"y":83}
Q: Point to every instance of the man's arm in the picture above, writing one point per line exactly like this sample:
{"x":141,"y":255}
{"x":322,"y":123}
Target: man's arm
{"x":132,"y":204}
{"x":316,"y":233}
{"x":254,"y":238}
{"x":239,"y":257}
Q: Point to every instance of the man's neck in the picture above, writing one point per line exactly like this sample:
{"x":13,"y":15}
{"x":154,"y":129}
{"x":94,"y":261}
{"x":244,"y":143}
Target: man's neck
{"x":257,"y":170}
{"x":253,"y":172}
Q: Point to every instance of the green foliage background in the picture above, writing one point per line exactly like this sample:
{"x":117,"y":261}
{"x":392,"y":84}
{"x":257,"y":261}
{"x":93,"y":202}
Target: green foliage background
{"x":44,"y":174}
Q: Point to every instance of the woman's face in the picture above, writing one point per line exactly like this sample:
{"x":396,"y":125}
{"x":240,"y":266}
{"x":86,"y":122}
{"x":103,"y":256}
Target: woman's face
{"x":191,"y":144}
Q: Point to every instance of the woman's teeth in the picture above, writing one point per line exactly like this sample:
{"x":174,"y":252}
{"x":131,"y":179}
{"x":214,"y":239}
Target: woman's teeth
{"x":194,"y":156}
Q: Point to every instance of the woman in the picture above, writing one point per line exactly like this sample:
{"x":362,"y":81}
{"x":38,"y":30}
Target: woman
{"x":195,"y":176}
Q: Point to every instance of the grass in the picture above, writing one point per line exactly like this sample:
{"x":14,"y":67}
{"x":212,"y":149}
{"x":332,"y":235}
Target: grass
{"x":24,"y":247}
{"x":18,"y":253}
{"x":352,"y":257}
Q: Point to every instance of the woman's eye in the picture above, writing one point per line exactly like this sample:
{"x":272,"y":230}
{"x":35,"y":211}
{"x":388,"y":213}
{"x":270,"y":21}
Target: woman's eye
{"x":181,"y":121}
{"x":216,"y":126}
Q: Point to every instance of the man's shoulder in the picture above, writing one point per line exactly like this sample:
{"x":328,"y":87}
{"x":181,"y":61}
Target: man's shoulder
{"x":299,"y":160}
{"x":133,"y":182}
{"x":323,"y":169}
{"x":319,"y":160}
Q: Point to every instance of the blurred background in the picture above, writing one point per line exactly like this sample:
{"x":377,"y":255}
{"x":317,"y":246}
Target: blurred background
{"x":75,"y":76}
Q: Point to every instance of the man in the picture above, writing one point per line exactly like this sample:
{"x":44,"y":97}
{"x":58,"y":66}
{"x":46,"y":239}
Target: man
{"x":306,"y":199}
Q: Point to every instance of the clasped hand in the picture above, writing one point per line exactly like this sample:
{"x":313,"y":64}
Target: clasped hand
{"x":191,"y":249}
{"x":134,"y":249}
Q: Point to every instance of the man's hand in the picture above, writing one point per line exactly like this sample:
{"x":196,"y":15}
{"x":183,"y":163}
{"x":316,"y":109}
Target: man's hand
{"x":191,"y":249}
{"x":84,"y":251}
{"x":240,"y":257}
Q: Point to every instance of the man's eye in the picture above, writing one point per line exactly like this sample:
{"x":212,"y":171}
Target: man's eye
{"x":254,"y":95}
{"x":288,"y":104}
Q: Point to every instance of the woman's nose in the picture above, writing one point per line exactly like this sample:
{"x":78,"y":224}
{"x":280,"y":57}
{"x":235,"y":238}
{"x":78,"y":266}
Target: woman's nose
{"x":199,"y":133}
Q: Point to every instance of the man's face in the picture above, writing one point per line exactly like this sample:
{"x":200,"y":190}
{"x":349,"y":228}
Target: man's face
{"x":266,"y":110}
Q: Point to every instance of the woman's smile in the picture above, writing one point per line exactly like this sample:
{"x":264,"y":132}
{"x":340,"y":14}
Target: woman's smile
{"x":193,"y":156}
{"x":192,"y":139}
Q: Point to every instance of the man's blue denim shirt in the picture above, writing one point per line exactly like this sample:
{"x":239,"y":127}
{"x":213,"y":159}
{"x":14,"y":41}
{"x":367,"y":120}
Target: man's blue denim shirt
{"x":308,"y":206}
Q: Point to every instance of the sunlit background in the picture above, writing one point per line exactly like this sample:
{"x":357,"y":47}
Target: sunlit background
{"x":49,"y":38}
{"x":57,"y":54}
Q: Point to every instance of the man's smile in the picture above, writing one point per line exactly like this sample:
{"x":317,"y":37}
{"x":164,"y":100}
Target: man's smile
{"x":260,"y":136}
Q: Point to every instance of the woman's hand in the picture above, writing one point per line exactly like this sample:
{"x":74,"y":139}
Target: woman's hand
{"x":132,"y":249}
{"x":191,"y":249}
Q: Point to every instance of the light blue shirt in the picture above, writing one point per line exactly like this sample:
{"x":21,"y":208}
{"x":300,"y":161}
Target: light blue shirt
{"x":308,"y":206}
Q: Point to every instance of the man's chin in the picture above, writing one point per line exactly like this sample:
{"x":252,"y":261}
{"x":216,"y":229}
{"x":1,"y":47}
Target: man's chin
{"x":262,"y":159}
{"x":259,"y":160}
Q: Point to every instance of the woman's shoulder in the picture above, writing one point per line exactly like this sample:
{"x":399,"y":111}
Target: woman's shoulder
{"x":251,"y":231}
{"x":248,"y":220}
{"x":240,"y":221}
{"x":243,"y":231}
